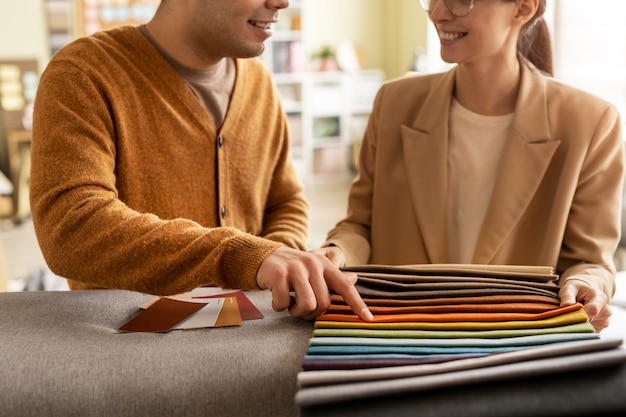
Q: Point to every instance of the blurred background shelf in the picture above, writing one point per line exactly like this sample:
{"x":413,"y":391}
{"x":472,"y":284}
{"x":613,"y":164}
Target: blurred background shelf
{"x":325,"y":109}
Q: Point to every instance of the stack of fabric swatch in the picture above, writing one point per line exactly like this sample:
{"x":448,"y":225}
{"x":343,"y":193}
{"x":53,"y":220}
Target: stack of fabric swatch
{"x":435,"y":319}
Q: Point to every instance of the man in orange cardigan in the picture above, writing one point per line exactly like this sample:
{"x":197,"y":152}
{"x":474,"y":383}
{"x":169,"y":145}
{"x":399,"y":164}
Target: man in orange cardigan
{"x":161,"y":162}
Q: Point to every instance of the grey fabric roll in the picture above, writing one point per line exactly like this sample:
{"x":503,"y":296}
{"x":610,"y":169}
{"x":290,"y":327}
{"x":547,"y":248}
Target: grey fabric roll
{"x":60,"y":355}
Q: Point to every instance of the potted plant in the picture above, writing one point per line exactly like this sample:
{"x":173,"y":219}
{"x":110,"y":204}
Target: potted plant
{"x":326,"y":57}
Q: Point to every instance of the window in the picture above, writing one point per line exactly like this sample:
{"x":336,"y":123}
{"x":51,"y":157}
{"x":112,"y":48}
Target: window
{"x":590,"y":47}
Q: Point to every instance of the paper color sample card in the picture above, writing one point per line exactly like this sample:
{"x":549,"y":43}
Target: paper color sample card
{"x":166,"y":314}
{"x":217,"y":312}
{"x":247,"y":309}
{"x":162,"y":315}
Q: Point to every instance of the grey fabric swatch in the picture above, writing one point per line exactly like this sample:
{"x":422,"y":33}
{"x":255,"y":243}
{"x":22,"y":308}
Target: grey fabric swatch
{"x":524,"y":363}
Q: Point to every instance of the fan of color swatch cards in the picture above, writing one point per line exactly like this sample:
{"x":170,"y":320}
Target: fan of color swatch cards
{"x":447,"y":325}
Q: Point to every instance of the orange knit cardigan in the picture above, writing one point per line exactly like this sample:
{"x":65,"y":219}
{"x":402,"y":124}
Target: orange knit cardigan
{"x":132,"y":185}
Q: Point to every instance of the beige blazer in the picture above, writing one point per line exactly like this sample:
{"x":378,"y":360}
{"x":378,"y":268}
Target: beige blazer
{"x":557,"y":197}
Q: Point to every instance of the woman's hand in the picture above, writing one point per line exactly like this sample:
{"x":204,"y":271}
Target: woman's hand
{"x":333,"y":253}
{"x":595,"y":302}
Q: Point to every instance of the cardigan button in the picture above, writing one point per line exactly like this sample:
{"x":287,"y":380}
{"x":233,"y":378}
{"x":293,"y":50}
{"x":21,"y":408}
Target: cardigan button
{"x":220,"y":141}
{"x":223,"y":212}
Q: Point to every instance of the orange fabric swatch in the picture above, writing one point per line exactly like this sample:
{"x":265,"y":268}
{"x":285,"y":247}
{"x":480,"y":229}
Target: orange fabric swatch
{"x":451,"y":317}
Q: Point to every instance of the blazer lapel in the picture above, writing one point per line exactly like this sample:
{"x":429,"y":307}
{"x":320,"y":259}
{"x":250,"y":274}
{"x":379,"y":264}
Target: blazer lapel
{"x":425,"y":149}
{"x":526,"y":156}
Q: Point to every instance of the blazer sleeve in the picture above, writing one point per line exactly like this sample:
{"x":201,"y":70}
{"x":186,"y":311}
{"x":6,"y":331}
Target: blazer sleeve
{"x":594,"y":224}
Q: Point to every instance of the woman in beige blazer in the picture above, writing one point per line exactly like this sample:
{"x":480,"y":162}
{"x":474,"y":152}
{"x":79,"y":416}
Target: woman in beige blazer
{"x":493,"y":162}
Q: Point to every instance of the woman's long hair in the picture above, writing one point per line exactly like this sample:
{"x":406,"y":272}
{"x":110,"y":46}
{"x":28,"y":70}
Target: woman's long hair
{"x":535,"y":43}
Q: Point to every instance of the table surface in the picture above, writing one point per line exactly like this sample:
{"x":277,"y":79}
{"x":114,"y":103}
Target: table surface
{"x":61,"y":355}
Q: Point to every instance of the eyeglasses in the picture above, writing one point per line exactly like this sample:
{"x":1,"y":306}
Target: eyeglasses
{"x":458,"y":8}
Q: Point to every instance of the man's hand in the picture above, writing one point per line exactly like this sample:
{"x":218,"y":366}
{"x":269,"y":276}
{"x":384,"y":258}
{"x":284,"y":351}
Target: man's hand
{"x":309,"y":276}
{"x":594,"y":302}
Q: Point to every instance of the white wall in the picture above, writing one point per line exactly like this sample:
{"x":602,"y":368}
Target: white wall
{"x":23,"y":31}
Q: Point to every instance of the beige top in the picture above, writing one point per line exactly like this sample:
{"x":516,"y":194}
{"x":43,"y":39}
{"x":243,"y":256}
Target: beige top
{"x":474,"y":148}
